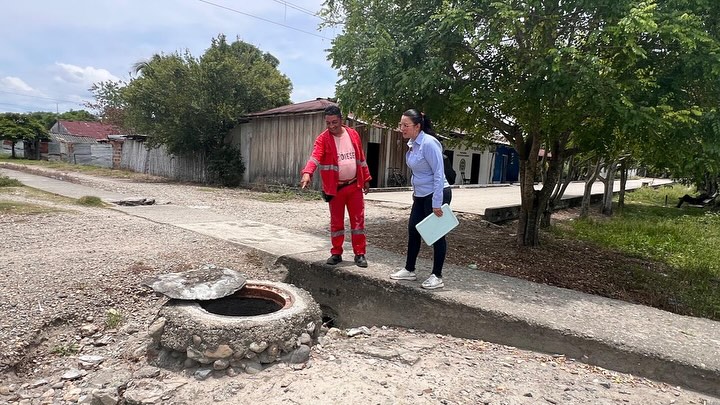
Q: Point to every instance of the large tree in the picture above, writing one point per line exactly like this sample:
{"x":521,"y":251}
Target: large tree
{"x":190,"y":104}
{"x":17,"y":127}
{"x":545,"y":73}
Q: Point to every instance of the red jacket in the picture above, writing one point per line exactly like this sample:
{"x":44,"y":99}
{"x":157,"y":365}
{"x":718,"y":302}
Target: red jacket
{"x":324,"y":156}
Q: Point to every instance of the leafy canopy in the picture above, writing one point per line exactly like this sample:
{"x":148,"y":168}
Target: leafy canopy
{"x":562,"y":75}
{"x":21,"y":127}
{"x":190,"y":104}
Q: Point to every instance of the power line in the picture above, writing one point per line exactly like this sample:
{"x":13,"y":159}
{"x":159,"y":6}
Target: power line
{"x":19,"y":107}
{"x":44,"y":98}
{"x":264,"y":19}
{"x":298,"y":8}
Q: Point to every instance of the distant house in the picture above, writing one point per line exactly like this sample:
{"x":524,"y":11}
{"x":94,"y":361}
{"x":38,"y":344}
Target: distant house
{"x":82,"y":142}
{"x":88,"y":129}
{"x":276,"y":143}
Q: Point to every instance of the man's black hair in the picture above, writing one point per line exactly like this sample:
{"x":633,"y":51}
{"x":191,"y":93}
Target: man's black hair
{"x":333,"y":110}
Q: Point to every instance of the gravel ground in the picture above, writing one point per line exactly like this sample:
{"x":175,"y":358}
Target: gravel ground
{"x":70,"y":286}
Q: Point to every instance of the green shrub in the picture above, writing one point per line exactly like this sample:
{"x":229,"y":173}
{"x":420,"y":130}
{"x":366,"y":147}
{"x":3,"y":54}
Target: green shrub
{"x":226,"y":166}
{"x":90,"y":201}
{"x":6,"y":181}
{"x":113,"y":318}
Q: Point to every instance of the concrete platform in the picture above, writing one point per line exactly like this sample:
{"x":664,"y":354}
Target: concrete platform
{"x":501,"y":202}
{"x":614,"y":334}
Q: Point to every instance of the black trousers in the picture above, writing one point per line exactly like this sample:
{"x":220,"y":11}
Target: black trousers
{"x":421,"y":208}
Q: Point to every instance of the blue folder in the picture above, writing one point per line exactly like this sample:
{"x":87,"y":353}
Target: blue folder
{"x":434,"y":227}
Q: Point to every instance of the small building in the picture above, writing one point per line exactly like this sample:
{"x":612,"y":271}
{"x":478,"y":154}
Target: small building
{"x":81,"y":142}
{"x":276,"y":144}
{"x":91,"y":129}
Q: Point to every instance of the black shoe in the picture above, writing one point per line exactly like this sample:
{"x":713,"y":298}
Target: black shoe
{"x":360,"y":260}
{"x":334,"y":259}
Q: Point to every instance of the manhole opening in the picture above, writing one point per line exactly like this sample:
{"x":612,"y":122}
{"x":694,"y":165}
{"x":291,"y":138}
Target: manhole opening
{"x":248,"y":301}
{"x":239,"y":306}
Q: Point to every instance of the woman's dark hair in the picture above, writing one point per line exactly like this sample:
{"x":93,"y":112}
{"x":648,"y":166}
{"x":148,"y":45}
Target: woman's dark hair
{"x":419,"y":118}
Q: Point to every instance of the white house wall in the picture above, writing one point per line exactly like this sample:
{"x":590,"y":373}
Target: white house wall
{"x":484,"y":169}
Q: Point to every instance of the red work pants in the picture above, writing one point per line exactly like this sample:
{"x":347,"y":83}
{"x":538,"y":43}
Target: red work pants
{"x":351,"y":197}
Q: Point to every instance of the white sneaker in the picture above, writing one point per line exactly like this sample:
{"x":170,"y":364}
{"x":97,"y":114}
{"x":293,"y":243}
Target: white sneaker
{"x":432,"y":283}
{"x":403,"y":274}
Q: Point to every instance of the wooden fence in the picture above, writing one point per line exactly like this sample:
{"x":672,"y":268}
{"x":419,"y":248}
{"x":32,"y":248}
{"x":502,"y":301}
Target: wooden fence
{"x":157,"y":162}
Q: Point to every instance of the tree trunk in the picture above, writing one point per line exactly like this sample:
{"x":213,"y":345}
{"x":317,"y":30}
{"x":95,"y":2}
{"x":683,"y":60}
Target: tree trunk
{"x":528,"y":233}
{"x":587,"y":192}
{"x":607,"y":207}
{"x":554,"y":175}
{"x":623,"y":182}
{"x":534,"y":202}
{"x":564,"y":178}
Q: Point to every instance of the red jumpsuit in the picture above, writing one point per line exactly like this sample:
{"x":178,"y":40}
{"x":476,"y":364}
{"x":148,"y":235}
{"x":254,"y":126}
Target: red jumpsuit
{"x":324,"y":156}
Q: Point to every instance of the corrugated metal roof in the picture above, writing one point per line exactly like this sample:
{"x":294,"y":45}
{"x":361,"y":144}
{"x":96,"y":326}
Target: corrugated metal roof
{"x":65,"y":138}
{"x":297,"y":108}
{"x":96,"y":130}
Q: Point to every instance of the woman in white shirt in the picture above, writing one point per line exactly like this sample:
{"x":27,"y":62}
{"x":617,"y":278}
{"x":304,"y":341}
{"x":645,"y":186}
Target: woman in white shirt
{"x":430,"y":191}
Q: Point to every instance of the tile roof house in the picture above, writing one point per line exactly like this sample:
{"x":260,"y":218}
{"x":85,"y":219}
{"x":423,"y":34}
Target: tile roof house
{"x":88,"y":129}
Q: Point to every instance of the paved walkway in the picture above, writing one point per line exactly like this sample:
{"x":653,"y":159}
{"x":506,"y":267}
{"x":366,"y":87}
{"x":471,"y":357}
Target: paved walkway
{"x":613,"y":334}
{"x":477,"y":199}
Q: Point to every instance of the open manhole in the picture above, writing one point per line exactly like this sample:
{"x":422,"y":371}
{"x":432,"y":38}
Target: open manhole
{"x":217,"y":320}
{"x":250,"y":300}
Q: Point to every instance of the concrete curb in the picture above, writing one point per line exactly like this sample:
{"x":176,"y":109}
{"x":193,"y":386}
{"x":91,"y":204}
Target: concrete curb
{"x":669,"y":352}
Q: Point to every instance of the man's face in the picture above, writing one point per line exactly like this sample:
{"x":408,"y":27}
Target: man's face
{"x":334,"y":124}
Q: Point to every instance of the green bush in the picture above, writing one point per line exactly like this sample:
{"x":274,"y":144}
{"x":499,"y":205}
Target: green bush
{"x":226,"y":166}
{"x":90,"y":201}
{"x":8,"y":182}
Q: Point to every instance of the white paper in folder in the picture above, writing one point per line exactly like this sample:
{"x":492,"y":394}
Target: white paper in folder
{"x":434,"y":227}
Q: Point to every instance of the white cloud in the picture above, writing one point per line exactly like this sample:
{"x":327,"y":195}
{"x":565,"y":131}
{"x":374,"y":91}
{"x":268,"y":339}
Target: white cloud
{"x":58,"y":60}
{"x":85,"y":76}
{"x":15,"y":84}
{"x":309,"y":92}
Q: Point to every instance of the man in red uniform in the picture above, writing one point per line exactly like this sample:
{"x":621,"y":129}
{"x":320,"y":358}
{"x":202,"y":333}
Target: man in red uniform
{"x":339,"y":155}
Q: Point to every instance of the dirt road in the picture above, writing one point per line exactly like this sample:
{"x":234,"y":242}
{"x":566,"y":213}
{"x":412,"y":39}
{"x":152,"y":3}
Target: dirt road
{"x":70,"y":288}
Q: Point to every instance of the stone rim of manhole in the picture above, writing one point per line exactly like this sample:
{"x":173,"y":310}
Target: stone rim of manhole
{"x":202,"y":338}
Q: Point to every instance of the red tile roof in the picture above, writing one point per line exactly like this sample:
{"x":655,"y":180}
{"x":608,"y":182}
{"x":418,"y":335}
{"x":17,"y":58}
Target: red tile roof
{"x":90,"y":129}
{"x":303,"y":107}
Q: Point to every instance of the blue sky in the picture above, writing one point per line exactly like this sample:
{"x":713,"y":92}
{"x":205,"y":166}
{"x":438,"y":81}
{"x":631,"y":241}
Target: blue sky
{"x":51,"y":52}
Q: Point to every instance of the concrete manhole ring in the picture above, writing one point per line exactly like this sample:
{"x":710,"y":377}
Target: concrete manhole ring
{"x":275,"y":322}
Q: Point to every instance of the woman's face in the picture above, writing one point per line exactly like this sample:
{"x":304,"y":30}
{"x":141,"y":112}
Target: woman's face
{"x":408,"y":129}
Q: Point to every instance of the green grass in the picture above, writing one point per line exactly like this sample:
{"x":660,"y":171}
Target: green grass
{"x":113,"y":318}
{"x":70,"y":349}
{"x":13,"y":187}
{"x":687,"y":239}
{"x":90,"y":201}
{"x":8,"y":182}
{"x":14,"y":207}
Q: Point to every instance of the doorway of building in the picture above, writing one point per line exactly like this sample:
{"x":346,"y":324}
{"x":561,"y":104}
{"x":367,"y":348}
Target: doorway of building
{"x":475,"y":169}
{"x":372,"y":158}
